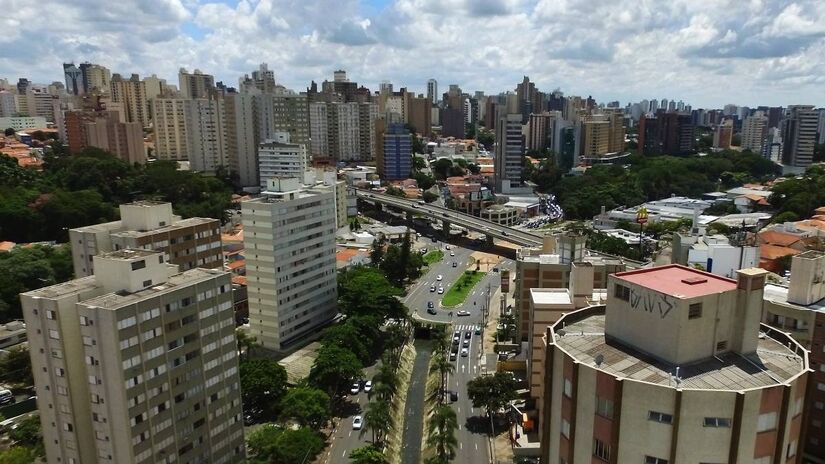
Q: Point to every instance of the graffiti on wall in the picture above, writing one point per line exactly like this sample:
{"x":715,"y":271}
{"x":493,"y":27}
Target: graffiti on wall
{"x":654,"y":303}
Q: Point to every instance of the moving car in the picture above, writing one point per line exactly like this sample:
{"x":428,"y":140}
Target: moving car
{"x":432,"y":311}
{"x":452,"y":254}
{"x":468,"y":334}
{"x":440,"y":290}
{"x":439,"y":277}
{"x":430,"y":304}
{"x":452,"y":356}
{"x":463,"y":313}
{"x":432,"y":288}
{"x":447,"y":247}
{"x":478,"y":330}
{"x":357,"y":423}
{"x":455,"y":264}
{"x":368,"y":386}
{"x":453,"y":396}
{"x":466,"y":343}
{"x":464,"y":352}
{"x":356,"y":387}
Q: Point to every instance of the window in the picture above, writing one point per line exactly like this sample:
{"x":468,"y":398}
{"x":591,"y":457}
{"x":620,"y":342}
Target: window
{"x":565,"y":428}
{"x":717,"y":422}
{"x":654,"y":460}
{"x":138,"y":265}
{"x":568,"y":388}
{"x":147,"y":283}
{"x":766,"y":422}
{"x":791,"y":449}
{"x":85,"y":321}
{"x":601,"y":450}
{"x":50,"y":314}
{"x":722,"y":346}
{"x":68,"y":427}
{"x":604,"y":407}
{"x":659,"y":417}
{"x":621,"y":292}
{"x":695,"y":311}
{"x":54,"y":335}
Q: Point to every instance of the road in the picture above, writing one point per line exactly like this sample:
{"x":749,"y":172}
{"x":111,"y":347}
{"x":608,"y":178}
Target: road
{"x":344,"y":439}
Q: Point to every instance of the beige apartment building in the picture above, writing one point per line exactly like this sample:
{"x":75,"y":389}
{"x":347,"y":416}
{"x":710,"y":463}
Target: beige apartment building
{"x":675,"y":368}
{"x":137,"y":364}
{"x":550,"y":267}
{"x":149,"y":225}
{"x":123,"y":139}
{"x":131,"y":94}
{"x":169,"y":120}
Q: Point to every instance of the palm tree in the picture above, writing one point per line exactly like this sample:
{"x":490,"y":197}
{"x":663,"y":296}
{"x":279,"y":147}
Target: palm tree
{"x":388,"y":377}
{"x":367,"y":455}
{"x":441,"y":364}
{"x":441,"y":433}
{"x":378,"y":420}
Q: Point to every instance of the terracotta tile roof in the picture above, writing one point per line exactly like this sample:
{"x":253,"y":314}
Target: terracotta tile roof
{"x":239,"y":280}
{"x":6,"y":246}
{"x":778,"y":238}
{"x":237,"y":264}
{"x":776,"y":251}
{"x":346,"y":254}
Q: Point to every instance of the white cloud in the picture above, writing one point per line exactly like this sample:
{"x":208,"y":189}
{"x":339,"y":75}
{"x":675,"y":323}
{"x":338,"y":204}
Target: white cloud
{"x":708,"y":52}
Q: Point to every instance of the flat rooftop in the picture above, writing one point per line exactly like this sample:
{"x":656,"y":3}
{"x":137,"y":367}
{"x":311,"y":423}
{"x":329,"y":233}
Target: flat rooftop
{"x":189,"y":222}
{"x":779,"y":295}
{"x":550,"y":296}
{"x":772,"y":364}
{"x":120,"y":299}
{"x":678,"y":281}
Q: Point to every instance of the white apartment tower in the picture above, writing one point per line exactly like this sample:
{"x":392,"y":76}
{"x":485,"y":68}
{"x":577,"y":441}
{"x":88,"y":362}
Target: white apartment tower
{"x":755,"y":133}
{"x":289,"y":237}
{"x":206,"y":132}
{"x":196,"y":84}
{"x":137,"y":364}
{"x":799,"y":135}
{"x":279,"y":158}
{"x":169,"y":119}
{"x":242,"y":136}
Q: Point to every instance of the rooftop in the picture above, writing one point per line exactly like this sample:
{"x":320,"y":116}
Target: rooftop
{"x":189,"y":222}
{"x":779,"y":294}
{"x":678,"y":281}
{"x":550,"y":296}
{"x":772,"y":364}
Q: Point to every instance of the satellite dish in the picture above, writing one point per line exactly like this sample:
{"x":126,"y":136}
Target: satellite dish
{"x":599,"y":359}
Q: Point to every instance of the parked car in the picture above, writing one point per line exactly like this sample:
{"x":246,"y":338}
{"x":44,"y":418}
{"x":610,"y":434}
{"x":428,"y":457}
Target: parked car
{"x":356,"y":387}
{"x":478,"y":330}
{"x":447,"y":246}
{"x":430,"y":304}
{"x":432,"y":288}
{"x":6,"y":396}
{"x":463,"y":313}
{"x":368,"y":386}
{"x":440,"y":290}
{"x":455,"y":264}
{"x":452,"y":254}
{"x":439,"y":277}
{"x":453,"y":396}
{"x":468,"y":334}
{"x":357,"y":423}
{"x":466,"y":343}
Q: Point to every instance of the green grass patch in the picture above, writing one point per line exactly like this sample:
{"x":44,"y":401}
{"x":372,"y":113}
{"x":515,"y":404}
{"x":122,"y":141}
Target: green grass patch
{"x":432,"y":257}
{"x":461,"y":288}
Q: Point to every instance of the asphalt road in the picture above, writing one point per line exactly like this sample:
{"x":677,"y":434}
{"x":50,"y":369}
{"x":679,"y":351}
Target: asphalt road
{"x":344,"y":438}
{"x":416,"y":397}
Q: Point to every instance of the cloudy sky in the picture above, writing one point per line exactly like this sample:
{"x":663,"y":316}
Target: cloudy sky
{"x":708,"y":53}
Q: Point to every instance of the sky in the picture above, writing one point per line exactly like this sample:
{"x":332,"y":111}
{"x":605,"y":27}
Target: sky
{"x":707,"y":53}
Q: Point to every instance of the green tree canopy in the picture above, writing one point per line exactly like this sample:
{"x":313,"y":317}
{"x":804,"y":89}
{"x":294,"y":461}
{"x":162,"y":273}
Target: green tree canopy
{"x":334,"y":368}
{"x":16,"y":367}
{"x":441,"y":168}
{"x":263,"y":384}
{"x":367,"y":455}
{"x":30,"y":268}
{"x":308,"y":406}
{"x":365,"y":290}
{"x":18,"y":455}
{"x":492,"y":392}
{"x":28,"y":432}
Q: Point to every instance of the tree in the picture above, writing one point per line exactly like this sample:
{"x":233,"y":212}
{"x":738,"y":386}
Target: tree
{"x":429,"y":197}
{"x":346,"y":334}
{"x":334,"y":368}
{"x":30,"y":268}
{"x":270,"y":443}
{"x":16,"y":367}
{"x":486,"y":137}
{"x":378,"y":420}
{"x":378,"y":249}
{"x":246,"y":343}
{"x":441,"y":168}
{"x":418,"y":163}
{"x":385,"y":381}
{"x":366,"y":291}
{"x":424,"y":181}
{"x":263,"y":385}
{"x":354,"y":224}
{"x":367,"y":455}
{"x":396,"y":192}
{"x":492,"y":392}
{"x":261,"y":442}
{"x":441,"y":432}
{"x":28,"y":432}
{"x":308,"y":406}
{"x":474,"y":168}
{"x":441,"y":364}
{"x":507,"y":327}
{"x":18,"y":455}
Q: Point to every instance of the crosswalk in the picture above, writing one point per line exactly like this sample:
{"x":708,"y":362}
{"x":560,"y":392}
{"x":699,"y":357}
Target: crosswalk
{"x":472,"y":327}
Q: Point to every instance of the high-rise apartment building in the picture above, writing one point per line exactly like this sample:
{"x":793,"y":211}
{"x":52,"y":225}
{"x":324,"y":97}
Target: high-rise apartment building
{"x":149,"y":225}
{"x":169,"y":120}
{"x":242,"y":136}
{"x":595,"y":136}
{"x":420,"y":115}
{"x":615,"y":139}
{"x":343,"y":131}
{"x":529,"y":99}
{"x":539,"y":132}
{"x":723,"y":134}
{"x":137,"y":363}
{"x":74,"y":79}
{"x":284,"y":112}
{"x":196,"y":84}
{"x":799,"y":135}
{"x":755,"y":133}
{"x":206,"y":134}
{"x":674,"y":368}
{"x":122,"y":139}
{"x":96,"y":78}
{"x":666,"y":134}
{"x":8,"y":104}
{"x":131,"y":94}
{"x":432,"y":91}
{"x":280,"y":158}
{"x":289,"y":237}
{"x":507,"y":163}
{"x":395,"y":162}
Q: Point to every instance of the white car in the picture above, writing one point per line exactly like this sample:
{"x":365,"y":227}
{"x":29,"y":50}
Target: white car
{"x":432,"y":288}
{"x":439,"y":277}
{"x":357,"y":423}
{"x":440,"y":290}
{"x":368,"y":386}
{"x":464,"y":352}
{"x":355,"y":388}
{"x":452,"y":254}
{"x":447,"y":246}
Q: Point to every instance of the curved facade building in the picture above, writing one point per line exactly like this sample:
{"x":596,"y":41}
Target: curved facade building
{"x":676,"y":368}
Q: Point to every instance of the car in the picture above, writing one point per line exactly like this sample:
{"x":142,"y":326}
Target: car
{"x":452,"y":254}
{"x":432,"y":288}
{"x":434,"y":240}
{"x":463,"y":313}
{"x":440,"y":290}
{"x":6,"y":396}
{"x":452,"y":356}
{"x":424,"y":251}
{"x":457,"y":333}
{"x":445,"y":214}
{"x":455,"y":264}
{"x":504,"y":233}
{"x":478,"y":330}
{"x":464,"y":352}
{"x":495,"y":269}
{"x":368,"y":386}
{"x":357,"y":423}
{"x":430,"y":304}
{"x":439,"y":277}
{"x":468,"y":334}
{"x":466,"y":343}
{"x":453,"y":396}
{"x":446,"y":247}
{"x":432,"y":311}
{"x":356,"y":387}
{"x":421,"y":202}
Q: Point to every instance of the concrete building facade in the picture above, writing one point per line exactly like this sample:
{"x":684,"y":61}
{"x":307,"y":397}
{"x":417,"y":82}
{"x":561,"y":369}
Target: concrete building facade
{"x":206,"y":134}
{"x":675,"y":368}
{"x":508,"y":154}
{"x":123,"y":139}
{"x":169,"y":120}
{"x":137,"y":363}
{"x":289,"y":237}
{"x":196,"y":84}
{"x":131,"y":93}
{"x":755,"y":133}
{"x":799,"y":135}
{"x":149,"y":225}
{"x":279,"y":158}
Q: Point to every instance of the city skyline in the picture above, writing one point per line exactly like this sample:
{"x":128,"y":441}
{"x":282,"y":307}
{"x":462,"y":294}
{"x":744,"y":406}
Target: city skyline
{"x":748,"y":53}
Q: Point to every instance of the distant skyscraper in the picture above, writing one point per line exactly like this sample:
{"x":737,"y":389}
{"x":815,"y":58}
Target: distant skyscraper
{"x":666,"y":134}
{"x":206,"y":132}
{"x":509,"y":150}
{"x":723,"y":134}
{"x":264,"y":79}
{"x":122,"y":139}
{"x":595,"y":136}
{"x":242,"y":136}
{"x":754,"y":133}
{"x":196,"y":84}
{"x":799,"y":135}
{"x":95,"y":77}
{"x":137,"y":363}
{"x":396,"y":162}
{"x":74,"y":79}
{"x":131,"y":94}
{"x":292,"y":273}
{"x":279,"y":158}
{"x":432,"y":91}
{"x":420,"y":115}
{"x":169,"y":120}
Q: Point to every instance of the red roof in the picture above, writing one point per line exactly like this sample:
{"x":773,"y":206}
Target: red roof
{"x":678,"y":281}
{"x":776,"y":251}
{"x":778,"y":238}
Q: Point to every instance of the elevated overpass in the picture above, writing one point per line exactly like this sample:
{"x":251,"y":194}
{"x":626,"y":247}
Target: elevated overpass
{"x":451,"y":217}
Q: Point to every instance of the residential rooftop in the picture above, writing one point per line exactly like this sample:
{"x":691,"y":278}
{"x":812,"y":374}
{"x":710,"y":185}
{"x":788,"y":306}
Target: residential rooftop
{"x":116,"y":228}
{"x":773,"y":363}
{"x":678,"y":281}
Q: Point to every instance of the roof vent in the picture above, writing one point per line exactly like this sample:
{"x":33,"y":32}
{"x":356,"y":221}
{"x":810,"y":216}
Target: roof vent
{"x":694,"y":280}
